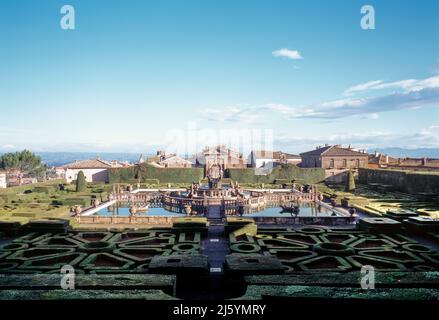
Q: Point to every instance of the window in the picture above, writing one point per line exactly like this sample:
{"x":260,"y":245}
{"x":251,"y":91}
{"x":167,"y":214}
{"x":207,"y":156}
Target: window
{"x":357,"y":164}
{"x":345,"y":163}
{"x":331,"y":163}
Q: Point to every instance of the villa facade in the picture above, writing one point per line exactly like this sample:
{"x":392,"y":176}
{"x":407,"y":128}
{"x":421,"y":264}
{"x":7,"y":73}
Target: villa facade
{"x":95,"y":170}
{"x":335,"y":160}
{"x":221,"y":155}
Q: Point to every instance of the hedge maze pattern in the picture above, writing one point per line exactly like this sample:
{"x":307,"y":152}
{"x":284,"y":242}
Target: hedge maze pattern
{"x":270,"y":251}
{"x":319,"y":249}
{"x":93,"y":252}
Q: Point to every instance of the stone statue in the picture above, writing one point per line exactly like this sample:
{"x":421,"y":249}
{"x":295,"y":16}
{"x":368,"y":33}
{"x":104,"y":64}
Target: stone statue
{"x":133,"y":209}
{"x":214,"y":175}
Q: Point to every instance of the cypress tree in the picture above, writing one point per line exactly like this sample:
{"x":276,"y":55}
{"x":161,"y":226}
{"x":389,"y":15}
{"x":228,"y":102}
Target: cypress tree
{"x":81,"y":184}
{"x":350,"y":182}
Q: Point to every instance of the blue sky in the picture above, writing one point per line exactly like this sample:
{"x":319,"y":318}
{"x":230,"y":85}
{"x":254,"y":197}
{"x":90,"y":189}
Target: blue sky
{"x":134,"y":75}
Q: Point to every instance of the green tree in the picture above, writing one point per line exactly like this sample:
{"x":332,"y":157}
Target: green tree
{"x":9,"y":161}
{"x":24,"y":161}
{"x":81,"y":184}
{"x":350,"y":182}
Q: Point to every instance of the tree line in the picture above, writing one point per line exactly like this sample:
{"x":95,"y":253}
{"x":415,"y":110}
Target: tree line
{"x":24,"y":161}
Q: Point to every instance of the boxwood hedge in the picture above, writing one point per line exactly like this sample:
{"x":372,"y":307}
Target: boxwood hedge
{"x":146,"y":173}
{"x":281,"y":173}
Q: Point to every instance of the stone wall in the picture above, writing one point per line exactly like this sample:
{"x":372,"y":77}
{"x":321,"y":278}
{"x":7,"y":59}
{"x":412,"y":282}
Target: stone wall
{"x":405,"y":181}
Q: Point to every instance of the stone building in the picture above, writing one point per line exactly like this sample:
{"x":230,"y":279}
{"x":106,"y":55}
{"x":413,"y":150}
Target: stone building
{"x":160,"y":156}
{"x":336,"y":160}
{"x":220,"y":155}
{"x":175,"y":162}
{"x":260,"y":159}
{"x":95,"y":170}
{"x":3,"y":183}
{"x":380,"y":161}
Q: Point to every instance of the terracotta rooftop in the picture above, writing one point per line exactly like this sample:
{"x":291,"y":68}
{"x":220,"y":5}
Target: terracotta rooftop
{"x":382,"y":159}
{"x":175,"y":159}
{"x":334,"y":151}
{"x":88,"y":164}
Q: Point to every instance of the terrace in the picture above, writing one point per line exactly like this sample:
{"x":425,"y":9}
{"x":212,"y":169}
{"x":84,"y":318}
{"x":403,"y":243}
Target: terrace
{"x":216,"y":200}
{"x":212,"y":243}
{"x":249,"y":261}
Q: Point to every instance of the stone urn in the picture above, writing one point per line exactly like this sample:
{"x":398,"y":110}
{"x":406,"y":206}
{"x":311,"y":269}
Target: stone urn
{"x":333,"y":200}
{"x":320,"y":197}
{"x":188,"y":209}
{"x":130,"y":188}
{"x":78,"y":210}
{"x":352,"y":211}
{"x":133,"y":209}
{"x":96,"y":202}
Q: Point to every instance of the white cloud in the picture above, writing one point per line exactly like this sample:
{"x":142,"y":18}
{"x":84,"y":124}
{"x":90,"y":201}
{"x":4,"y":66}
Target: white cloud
{"x":407,"y":85}
{"x":408,"y":94}
{"x":287,"y":53}
{"x":425,"y":138}
{"x":8,"y":147}
{"x":362,"y":87}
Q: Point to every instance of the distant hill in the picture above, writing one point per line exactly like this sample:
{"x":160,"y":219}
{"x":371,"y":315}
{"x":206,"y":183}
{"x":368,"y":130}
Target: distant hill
{"x":412,"y":153}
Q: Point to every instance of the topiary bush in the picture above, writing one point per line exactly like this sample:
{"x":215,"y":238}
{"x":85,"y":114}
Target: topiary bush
{"x":350,"y":182}
{"x":81,"y":184}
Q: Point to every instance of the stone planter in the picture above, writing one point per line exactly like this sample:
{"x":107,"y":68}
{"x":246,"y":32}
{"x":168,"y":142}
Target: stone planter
{"x":78,"y":210}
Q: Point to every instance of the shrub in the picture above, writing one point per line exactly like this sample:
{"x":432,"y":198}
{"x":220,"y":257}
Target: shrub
{"x":81,"y":184}
{"x":350,"y":182}
{"x":145,"y":173}
{"x":82,"y":201}
{"x":44,"y":189}
{"x":282,"y":173}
